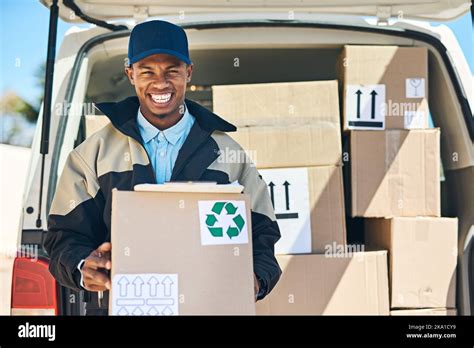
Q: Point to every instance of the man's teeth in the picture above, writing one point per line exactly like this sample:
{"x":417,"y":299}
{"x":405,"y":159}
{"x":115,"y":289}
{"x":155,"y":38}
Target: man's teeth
{"x":161,"y":98}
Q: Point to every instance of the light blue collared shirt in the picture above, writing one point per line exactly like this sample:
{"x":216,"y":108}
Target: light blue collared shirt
{"x":163,"y":146}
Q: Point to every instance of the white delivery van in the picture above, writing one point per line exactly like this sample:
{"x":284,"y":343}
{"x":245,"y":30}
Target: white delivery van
{"x":231,"y":42}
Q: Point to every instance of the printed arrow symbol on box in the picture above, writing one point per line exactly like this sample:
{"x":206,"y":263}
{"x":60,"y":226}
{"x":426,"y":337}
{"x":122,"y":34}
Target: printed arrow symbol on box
{"x":372,"y":112}
{"x":167,"y":311}
{"x":137,"y":311}
{"x":153,"y":284}
{"x":152,"y":311}
{"x":123,"y":284}
{"x":358,"y":102}
{"x":138,"y":283}
{"x":287,"y":194}
{"x":272,"y":193}
{"x":122,"y":311}
{"x":167,"y":283}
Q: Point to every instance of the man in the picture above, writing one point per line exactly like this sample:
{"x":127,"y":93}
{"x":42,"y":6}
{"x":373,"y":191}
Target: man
{"x":156,"y":137}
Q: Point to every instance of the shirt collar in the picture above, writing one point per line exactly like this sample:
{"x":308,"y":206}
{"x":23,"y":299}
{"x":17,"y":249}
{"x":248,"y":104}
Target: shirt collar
{"x":172,"y":134}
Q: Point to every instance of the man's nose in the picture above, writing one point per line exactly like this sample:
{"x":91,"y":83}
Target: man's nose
{"x":160,"y":82}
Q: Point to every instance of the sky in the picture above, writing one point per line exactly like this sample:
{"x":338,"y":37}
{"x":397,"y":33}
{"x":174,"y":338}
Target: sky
{"x":23,"y":42}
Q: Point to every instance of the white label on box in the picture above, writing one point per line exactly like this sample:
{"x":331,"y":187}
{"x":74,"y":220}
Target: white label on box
{"x":145,"y":294}
{"x":415,"y":119}
{"x":365,"y":107}
{"x":223,"y":222}
{"x":415,"y":87}
{"x":289,"y":192}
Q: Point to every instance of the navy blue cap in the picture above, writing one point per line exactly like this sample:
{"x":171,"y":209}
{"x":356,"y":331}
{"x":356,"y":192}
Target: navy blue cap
{"x":155,"y":37}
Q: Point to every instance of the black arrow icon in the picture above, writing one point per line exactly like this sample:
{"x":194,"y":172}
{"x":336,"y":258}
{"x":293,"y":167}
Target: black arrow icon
{"x":287,"y":194}
{"x":358,"y":102}
{"x":373,"y":94}
{"x":272,"y":193}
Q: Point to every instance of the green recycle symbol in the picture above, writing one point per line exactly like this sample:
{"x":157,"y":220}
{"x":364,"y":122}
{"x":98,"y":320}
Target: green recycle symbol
{"x":230,"y":209}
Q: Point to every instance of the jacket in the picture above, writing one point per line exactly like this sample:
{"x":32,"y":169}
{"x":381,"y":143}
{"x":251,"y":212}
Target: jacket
{"x":114,"y":157}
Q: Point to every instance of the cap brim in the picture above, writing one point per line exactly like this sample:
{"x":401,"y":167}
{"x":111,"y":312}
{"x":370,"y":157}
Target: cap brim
{"x":145,"y":54}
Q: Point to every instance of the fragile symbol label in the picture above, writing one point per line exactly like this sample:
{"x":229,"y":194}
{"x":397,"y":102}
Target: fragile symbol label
{"x":415,"y":87}
{"x":365,"y":106}
{"x":145,"y":294}
{"x":223,"y":222}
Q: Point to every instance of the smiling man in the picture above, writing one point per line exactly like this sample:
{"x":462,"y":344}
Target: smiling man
{"x":156,"y":137}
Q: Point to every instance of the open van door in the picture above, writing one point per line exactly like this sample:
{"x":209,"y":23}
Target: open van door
{"x":107,"y":10}
{"x":107,"y":13}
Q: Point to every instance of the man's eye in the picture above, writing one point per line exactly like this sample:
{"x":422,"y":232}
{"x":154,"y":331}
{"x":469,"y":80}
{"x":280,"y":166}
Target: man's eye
{"x":173,"y":71}
{"x":146,"y":73}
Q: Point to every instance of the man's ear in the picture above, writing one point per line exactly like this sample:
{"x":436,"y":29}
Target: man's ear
{"x":129,"y":73}
{"x":189,"y":72}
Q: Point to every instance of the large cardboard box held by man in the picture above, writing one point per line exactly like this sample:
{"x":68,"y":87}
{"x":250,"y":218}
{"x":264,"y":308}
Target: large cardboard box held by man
{"x":422,"y":259}
{"x":384,"y":87}
{"x":284,"y":124}
{"x":354,"y":284}
{"x":181,"y":252}
{"x":395,"y":173}
{"x":309,"y":207}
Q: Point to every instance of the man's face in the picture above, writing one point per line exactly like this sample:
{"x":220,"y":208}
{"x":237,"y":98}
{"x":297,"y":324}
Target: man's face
{"x":160,"y":84}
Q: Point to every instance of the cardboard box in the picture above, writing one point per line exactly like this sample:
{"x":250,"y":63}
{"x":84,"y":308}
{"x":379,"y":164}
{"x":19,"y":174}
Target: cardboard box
{"x":309,"y":206}
{"x":181,"y":252}
{"x":395,"y":173}
{"x":425,"y":311}
{"x":422,"y":259}
{"x":384,"y":87}
{"x":285,"y":124}
{"x":317,"y":284}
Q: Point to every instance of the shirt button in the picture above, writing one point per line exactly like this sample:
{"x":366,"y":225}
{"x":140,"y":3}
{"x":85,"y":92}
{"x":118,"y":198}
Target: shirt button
{"x":162,"y":153}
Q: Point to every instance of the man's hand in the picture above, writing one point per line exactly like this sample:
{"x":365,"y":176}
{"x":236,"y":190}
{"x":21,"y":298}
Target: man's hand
{"x":94,"y":270}
{"x":256,"y":286}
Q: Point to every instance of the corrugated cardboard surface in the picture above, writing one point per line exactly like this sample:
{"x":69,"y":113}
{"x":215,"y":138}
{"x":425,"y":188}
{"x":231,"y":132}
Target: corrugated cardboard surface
{"x":326,"y":208}
{"x":390,"y":66}
{"x":328,"y":224}
{"x":291,"y":146}
{"x":286,"y":124}
{"x":316,"y":284}
{"x":161,"y":234}
{"x":425,"y":311}
{"x":422,"y":259}
{"x":395,"y":173}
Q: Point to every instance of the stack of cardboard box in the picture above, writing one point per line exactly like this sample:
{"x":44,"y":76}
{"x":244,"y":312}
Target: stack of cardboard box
{"x":395,"y":166}
{"x":292,"y":132}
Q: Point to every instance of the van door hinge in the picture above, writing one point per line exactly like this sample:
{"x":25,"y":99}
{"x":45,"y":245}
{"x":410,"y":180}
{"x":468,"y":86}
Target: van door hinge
{"x":383,"y":14}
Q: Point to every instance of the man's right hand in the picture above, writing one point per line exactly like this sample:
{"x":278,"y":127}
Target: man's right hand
{"x":95,"y":267}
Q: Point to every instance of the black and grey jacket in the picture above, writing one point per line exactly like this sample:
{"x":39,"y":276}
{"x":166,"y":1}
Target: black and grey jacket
{"x":114,"y":157}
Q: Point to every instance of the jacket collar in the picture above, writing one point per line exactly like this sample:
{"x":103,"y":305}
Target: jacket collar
{"x":123,"y":116}
{"x":188,"y":165}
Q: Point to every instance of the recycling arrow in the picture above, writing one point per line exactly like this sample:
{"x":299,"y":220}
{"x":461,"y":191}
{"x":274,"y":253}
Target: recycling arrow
{"x":212,"y":222}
